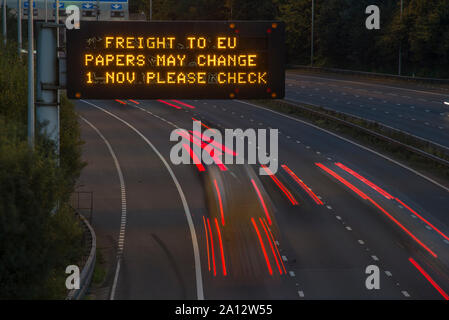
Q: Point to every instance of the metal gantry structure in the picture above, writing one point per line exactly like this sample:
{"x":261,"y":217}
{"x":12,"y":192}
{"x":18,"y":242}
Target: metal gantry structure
{"x":43,"y":99}
{"x":47,"y":89}
{"x":45,"y":108}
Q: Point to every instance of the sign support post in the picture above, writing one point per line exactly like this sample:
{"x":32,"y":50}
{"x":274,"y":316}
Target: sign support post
{"x":47,"y":111}
{"x":31,"y":118}
{"x":19,"y":27}
{"x":4,"y":22}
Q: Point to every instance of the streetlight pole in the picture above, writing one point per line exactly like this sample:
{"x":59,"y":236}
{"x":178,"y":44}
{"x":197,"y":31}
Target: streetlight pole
{"x":400,"y":44}
{"x":19,"y":27}
{"x":231,"y":4}
{"x":30,"y":75}
{"x":57,"y":21}
{"x":58,"y":98}
{"x":311,"y":38}
{"x":151,"y":10}
{"x":4,"y":22}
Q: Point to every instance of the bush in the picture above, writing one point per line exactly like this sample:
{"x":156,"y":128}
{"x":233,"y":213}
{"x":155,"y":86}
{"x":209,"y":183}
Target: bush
{"x":39,"y":233}
{"x":33,"y":241}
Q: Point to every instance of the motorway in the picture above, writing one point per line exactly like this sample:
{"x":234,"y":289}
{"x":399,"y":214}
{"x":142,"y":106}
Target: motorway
{"x":182,"y":233}
{"x":416,"y":109}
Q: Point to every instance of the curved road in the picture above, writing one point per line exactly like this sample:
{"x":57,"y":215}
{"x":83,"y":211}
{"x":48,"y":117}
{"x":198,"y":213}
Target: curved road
{"x":361,"y":209}
{"x":415,"y":109}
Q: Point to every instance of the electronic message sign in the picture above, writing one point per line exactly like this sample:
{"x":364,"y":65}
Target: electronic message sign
{"x":176,"y":59}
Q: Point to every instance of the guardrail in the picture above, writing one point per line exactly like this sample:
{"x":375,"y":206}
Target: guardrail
{"x":430,"y":144}
{"x":373,"y":74}
{"x":371,"y":132}
{"x":89,"y":265}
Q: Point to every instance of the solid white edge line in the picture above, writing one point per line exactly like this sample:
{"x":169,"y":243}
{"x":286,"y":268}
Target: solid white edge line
{"x":350,"y":141}
{"x":114,"y":284}
{"x":199,"y":280}
{"x":123,"y":199}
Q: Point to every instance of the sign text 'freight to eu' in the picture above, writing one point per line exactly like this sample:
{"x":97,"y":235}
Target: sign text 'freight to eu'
{"x":185,"y":59}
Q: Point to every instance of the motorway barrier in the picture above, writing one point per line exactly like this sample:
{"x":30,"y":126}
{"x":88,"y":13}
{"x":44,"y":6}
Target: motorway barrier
{"x":89,"y":266}
{"x":312,"y":109}
{"x":371,"y":74}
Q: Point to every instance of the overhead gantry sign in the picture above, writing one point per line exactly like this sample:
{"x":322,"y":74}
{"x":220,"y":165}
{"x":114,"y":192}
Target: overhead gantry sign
{"x":176,"y":59}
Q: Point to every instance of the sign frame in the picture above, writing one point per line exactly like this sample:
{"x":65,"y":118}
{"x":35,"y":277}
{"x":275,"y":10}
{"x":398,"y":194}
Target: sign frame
{"x":264,"y":38}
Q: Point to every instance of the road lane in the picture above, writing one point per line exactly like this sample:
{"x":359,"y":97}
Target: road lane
{"x":131,"y":286}
{"x":420,"y":112}
{"x":258,"y":284}
{"x":155,"y":223}
{"x":121,"y":236}
{"x":228,"y":111}
{"x":400,"y":179}
{"x":100,"y":177}
{"x":324,"y":259}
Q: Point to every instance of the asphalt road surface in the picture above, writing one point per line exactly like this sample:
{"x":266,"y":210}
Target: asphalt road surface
{"x":414,"y":109}
{"x":309,"y":231}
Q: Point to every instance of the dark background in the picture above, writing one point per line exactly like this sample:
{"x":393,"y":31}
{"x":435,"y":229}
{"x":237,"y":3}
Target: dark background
{"x":341,"y":39}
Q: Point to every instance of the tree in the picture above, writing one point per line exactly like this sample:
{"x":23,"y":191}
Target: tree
{"x":297,"y":18}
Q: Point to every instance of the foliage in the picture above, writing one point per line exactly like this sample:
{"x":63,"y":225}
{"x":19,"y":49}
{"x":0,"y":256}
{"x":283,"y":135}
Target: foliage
{"x":39,"y":234}
{"x":340,"y":38}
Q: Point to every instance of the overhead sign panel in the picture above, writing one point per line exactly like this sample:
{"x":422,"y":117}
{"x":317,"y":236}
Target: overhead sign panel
{"x":176,"y":59}
{"x":26,"y":4}
{"x":122,"y":1}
